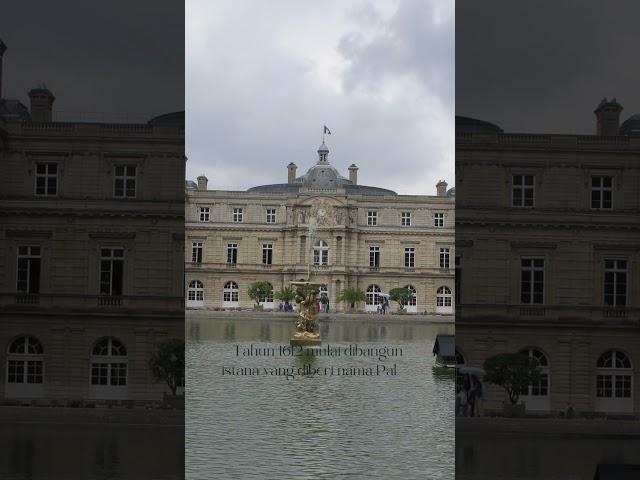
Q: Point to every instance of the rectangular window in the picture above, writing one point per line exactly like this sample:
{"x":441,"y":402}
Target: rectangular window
{"x":271,"y":215}
{"x":458,"y":279}
{"x":47,"y":179}
{"x":409,"y":257}
{"x":601,"y":193}
{"x":237,"y":215}
{"x":444,"y":258}
{"x":615,"y":282}
{"x":267,"y":253}
{"x":321,"y":254}
{"x":523,"y":187}
{"x":205,"y":213}
{"x":111,"y":271}
{"x":374,"y":257}
{"x":232,"y":253}
{"x":372,"y":218}
{"x":438,"y":220}
{"x":532,"y":281}
{"x":405,"y":219}
{"x":125,"y":181}
{"x":28,"y":274}
{"x":196,"y":252}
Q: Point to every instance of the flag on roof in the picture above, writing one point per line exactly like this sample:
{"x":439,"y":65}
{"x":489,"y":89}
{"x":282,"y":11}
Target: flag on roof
{"x":326,"y":130}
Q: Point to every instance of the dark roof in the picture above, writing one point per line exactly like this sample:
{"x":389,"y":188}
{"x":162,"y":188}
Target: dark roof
{"x":445,"y":346}
{"x":617,"y":472}
{"x":13,"y":107}
{"x":631,"y":126}
{"x":172,"y":119}
{"x":473,"y":125}
{"x":190,"y":185}
{"x":295,"y":188}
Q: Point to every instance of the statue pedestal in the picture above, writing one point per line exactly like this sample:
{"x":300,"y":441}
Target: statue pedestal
{"x":306,"y":326}
{"x":301,"y":339}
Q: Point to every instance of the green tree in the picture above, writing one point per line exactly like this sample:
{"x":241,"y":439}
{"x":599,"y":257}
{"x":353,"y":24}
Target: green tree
{"x":286,"y":295}
{"x":167,"y":363}
{"x":352,"y":296}
{"x":512,"y":371}
{"x":401,"y":295}
{"x":259,"y":291}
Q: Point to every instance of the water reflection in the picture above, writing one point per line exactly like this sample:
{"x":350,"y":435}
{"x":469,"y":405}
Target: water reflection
{"x":329,"y":426}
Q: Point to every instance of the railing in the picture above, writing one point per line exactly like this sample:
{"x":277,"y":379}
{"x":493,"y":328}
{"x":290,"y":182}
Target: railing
{"x":266,"y":266}
{"x":532,"y":311}
{"x":49,"y":301}
{"x":409,"y":269}
{"x":232,"y":265}
{"x":321,"y":267}
{"x":109,"y":301}
{"x":374,"y":269}
{"x":27,"y":299}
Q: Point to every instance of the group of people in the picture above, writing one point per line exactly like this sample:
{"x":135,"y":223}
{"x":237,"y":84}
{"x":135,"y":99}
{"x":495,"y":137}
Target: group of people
{"x":469,"y":397}
{"x":383,"y":306}
{"x":321,"y":306}
{"x":285,"y":307}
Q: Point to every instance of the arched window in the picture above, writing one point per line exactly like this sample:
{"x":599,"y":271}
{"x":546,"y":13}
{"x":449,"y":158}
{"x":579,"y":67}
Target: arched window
{"x":196,"y":291}
{"x":268,"y":300}
{"x":614,"y":375}
{"x":444,"y":300}
{"x":231,"y":292}
{"x":108,"y":364}
{"x":541,"y":387}
{"x":321,"y":253}
{"x":25,"y":368}
{"x":373,"y":298}
{"x":413,"y":301}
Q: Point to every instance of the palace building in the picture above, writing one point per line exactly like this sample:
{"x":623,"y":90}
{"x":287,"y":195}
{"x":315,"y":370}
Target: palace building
{"x":548,"y":260}
{"x":345,"y":235}
{"x":91,"y":253}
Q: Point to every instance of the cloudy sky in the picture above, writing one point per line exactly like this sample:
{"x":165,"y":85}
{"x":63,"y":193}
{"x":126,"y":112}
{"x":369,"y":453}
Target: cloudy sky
{"x":262,"y":78}
{"x":115,"y":61}
{"x":544,"y":66}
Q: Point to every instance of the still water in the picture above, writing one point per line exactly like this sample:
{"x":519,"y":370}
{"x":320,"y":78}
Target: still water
{"x":324,"y":426}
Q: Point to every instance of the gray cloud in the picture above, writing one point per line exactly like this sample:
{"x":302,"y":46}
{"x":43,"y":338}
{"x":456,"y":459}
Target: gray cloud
{"x":544,"y":66}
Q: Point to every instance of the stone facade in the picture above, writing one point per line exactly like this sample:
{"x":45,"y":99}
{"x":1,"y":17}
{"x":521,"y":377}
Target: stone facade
{"x":548,"y":263}
{"x":301,"y":220}
{"x":91,"y":255}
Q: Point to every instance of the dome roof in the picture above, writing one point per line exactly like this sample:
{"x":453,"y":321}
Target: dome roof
{"x":473,"y":125}
{"x":323,"y":175}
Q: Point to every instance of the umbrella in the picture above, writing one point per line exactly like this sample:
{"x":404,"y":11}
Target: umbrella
{"x":384,"y":295}
{"x":475,"y":371}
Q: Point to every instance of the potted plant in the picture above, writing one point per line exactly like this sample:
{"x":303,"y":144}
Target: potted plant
{"x":402,"y":296}
{"x":258,"y":292}
{"x":167,"y":365}
{"x":352,"y":296}
{"x":514,"y":372}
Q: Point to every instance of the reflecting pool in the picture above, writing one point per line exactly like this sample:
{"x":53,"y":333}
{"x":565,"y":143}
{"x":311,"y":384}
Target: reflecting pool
{"x":359,"y":424}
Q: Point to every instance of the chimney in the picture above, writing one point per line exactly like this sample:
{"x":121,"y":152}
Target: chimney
{"x":441,"y":188}
{"x":202,"y":183}
{"x":291,"y":176}
{"x":608,"y":115}
{"x":41,"y":104}
{"x":353,"y":174}
{"x":3,"y":48}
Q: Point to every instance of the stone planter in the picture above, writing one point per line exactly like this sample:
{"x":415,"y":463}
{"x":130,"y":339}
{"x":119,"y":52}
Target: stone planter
{"x":513,"y":411}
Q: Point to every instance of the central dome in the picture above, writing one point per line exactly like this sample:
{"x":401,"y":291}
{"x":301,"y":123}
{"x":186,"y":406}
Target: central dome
{"x":323,"y":175}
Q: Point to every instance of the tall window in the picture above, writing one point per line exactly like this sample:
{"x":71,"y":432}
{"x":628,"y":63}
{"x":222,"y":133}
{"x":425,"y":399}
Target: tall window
{"x":405,"y":219}
{"x":372,"y":218}
{"x":230,"y":292}
{"x":438,"y":220}
{"x":28,"y":274}
{"x":205,"y":213}
{"x":232,"y":253}
{"x":271,"y":215}
{"x":615,"y":282}
{"x":267,"y":253}
{"x":47,"y":179}
{"x":196,"y":251}
{"x":458,"y":280}
{"x":444,"y":258}
{"x":532,"y":281}
{"x":374,"y":257}
{"x":541,"y":387}
{"x":373,"y":295}
{"x":269,"y":297}
{"x":125,"y":181}
{"x":614,"y":374}
{"x":443,"y":298}
{"x":409,"y":257}
{"x":109,"y":363}
{"x":321,"y":253}
{"x":25,"y":361}
{"x":238,"y":214}
{"x":195,"y":293}
{"x":523,"y":187}
{"x":111,"y":271}
{"x":413,"y":301}
{"x":602,"y":193}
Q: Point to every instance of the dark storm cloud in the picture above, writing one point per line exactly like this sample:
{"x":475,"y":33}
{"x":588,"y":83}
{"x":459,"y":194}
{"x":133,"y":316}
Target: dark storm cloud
{"x":120,"y":60}
{"x":544,"y":66}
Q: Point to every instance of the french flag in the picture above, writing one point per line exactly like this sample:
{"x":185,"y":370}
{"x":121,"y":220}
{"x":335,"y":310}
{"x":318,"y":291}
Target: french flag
{"x":326,"y":130}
